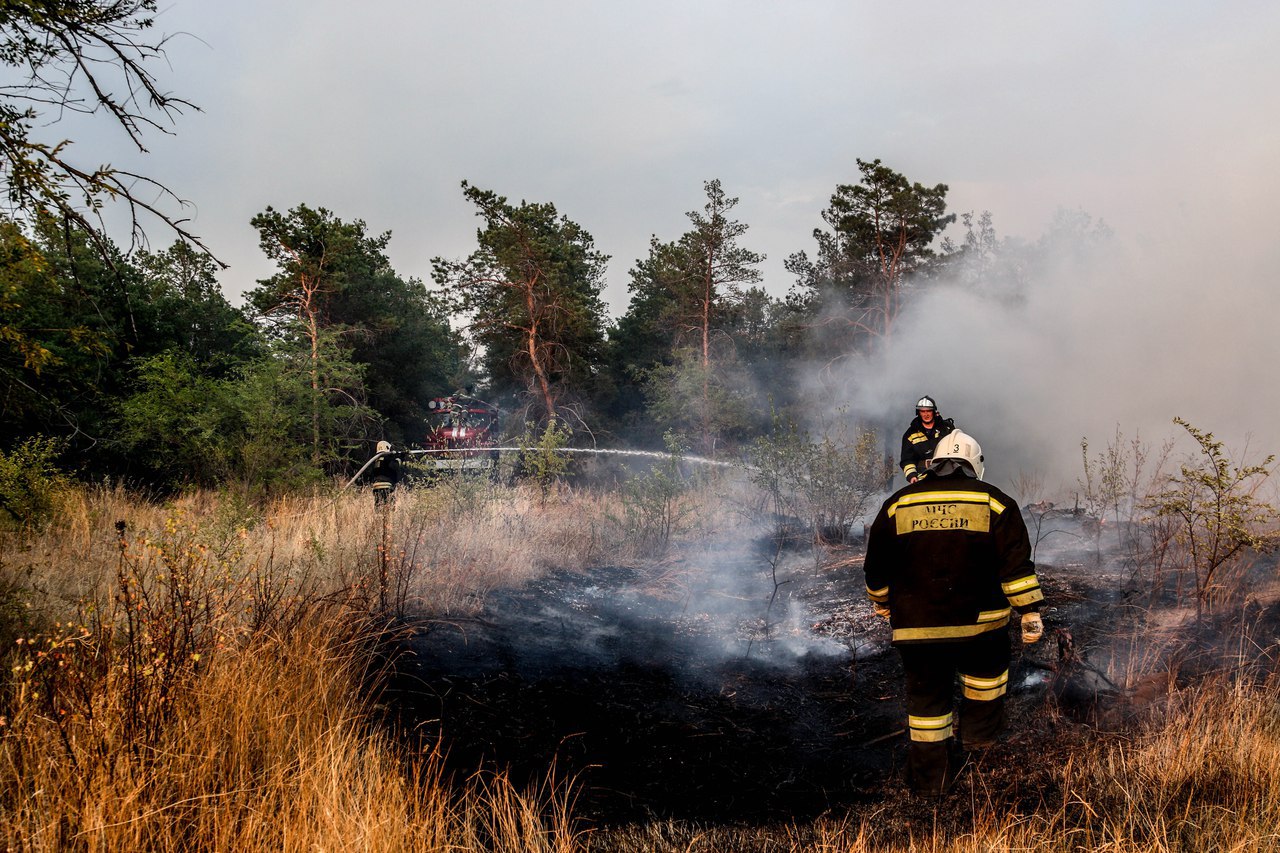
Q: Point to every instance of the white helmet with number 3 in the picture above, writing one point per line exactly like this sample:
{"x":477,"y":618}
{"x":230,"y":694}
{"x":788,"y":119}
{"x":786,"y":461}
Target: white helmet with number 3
{"x":961,"y":447}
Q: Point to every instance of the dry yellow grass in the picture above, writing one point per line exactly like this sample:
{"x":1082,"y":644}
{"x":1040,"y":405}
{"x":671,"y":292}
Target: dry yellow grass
{"x":198,"y":683}
{"x":235,"y":716}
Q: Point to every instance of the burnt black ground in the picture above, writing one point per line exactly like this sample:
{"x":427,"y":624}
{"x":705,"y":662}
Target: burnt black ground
{"x":634,"y":706}
{"x":648,"y":711}
{"x":659,"y":710}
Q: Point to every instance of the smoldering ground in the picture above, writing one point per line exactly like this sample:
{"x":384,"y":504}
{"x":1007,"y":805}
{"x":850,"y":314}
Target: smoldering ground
{"x":675,"y":690}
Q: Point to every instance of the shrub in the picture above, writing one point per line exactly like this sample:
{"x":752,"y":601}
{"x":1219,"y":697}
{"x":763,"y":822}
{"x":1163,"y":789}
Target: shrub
{"x":1218,"y":516}
{"x":652,"y":509}
{"x":827,"y":482}
{"x":541,"y":456}
{"x":32,"y":488}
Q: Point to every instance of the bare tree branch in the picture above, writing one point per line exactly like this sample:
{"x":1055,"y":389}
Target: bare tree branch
{"x":84,"y":56}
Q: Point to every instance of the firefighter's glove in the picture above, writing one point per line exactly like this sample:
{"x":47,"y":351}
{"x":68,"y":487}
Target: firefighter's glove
{"x":1032,"y":628}
{"x":881,"y":609}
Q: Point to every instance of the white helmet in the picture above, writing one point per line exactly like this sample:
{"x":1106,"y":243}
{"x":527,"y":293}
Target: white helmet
{"x":926,"y":402}
{"x":384,"y":447}
{"x":961,"y":447}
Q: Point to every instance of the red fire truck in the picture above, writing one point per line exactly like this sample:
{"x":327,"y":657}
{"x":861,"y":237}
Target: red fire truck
{"x":462,"y":434}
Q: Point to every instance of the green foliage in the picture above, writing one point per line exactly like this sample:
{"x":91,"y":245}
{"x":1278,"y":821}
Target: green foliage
{"x":683,"y":293}
{"x":1219,"y":516}
{"x":652,"y":506}
{"x":410,"y":353}
{"x":691,"y":397}
{"x":23,"y":281}
{"x":335,"y":278}
{"x":709,"y":270}
{"x":334,"y":293}
{"x":688,"y":301}
{"x":310,"y":247}
{"x":889,"y":220}
{"x":182,"y":309}
{"x":255,"y":428}
{"x":541,"y":454}
{"x":63,"y":327}
{"x":294,"y":431}
{"x":180,"y":425}
{"x":32,"y":487}
{"x":882,"y":233}
{"x":147,"y":365}
{"x":321,"y":260}
{"x":531,"y":292}
{"x":76,"y":326}
{"x":828,"y":482}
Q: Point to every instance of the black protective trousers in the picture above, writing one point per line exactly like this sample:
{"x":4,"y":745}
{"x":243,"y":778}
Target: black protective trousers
{"x":982,"y":665}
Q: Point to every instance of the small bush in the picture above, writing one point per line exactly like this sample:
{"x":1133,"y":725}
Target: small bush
{"x":541,"y":456}
{"x":826,"y":483}
{"x":652,"y":508}
{"x":32,"y":488}
{"x":1218,"y":518}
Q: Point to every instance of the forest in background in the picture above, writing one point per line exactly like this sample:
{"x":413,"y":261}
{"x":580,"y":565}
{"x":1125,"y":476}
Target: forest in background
{"x":137,"y":367}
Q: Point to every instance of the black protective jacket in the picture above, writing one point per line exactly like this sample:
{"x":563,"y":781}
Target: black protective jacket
{"x":919,"y":443}
{"x":951,"y":558}
{"x":385,"y":472}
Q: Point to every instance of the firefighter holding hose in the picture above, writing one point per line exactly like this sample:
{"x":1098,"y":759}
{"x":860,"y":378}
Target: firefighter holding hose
{"x":384,"y":474}
{"x":921,"y":437}
{"x":949,"y":563}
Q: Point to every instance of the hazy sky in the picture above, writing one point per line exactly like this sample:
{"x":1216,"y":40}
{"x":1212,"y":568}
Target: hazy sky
{"x":1160,"y":118}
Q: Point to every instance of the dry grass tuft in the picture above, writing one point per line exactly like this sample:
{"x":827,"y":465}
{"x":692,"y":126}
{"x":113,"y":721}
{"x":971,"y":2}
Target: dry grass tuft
{"x":197,"y":679}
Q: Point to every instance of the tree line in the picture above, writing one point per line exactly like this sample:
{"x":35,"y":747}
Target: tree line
{"x":139,"y":367}
{"x":130,"y":363}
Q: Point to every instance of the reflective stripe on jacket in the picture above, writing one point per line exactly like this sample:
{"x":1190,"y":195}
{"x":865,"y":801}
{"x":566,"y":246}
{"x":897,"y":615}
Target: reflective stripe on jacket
{"x":919,"y":443}
{"x":951,"y":558}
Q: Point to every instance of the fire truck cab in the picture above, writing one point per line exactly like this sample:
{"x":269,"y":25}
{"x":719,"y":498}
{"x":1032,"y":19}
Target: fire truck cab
{"x":462,"y":434}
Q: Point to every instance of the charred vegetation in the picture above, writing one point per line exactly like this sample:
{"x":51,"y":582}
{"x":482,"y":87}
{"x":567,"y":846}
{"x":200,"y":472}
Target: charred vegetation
{"x":757,"y":688}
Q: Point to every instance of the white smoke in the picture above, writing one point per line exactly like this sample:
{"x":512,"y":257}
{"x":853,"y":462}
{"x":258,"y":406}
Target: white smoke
{"x":1128,"y":336}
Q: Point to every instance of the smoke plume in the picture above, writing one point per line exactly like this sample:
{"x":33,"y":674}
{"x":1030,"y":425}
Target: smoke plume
{"x":1096,"y":335}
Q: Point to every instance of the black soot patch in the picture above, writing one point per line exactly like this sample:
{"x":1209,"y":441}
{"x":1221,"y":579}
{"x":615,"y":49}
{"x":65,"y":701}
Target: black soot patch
{"x":654,"y":710}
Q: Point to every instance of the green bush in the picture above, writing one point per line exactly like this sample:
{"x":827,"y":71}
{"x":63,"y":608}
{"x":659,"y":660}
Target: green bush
{"x":542,"y":456}
{"x":827,"y":482}
{"x":32,"y":487}
{"x":1218,"y":517}
{"x":652,"y":509}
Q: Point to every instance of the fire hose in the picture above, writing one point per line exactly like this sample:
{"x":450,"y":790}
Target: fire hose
{"x":653,"y":454}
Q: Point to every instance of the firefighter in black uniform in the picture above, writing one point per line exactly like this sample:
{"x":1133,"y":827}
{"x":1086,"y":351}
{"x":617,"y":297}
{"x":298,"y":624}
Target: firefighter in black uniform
{"x":949,"y":562}
{"x":922,"y":437}
{"x":384,"y":474}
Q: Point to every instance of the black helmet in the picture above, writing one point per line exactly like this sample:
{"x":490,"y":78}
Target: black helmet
{"x":926,"y":402}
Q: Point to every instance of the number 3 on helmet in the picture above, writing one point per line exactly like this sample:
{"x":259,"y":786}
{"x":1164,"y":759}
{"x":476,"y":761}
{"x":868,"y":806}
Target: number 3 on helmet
{"x":961,"y":447}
